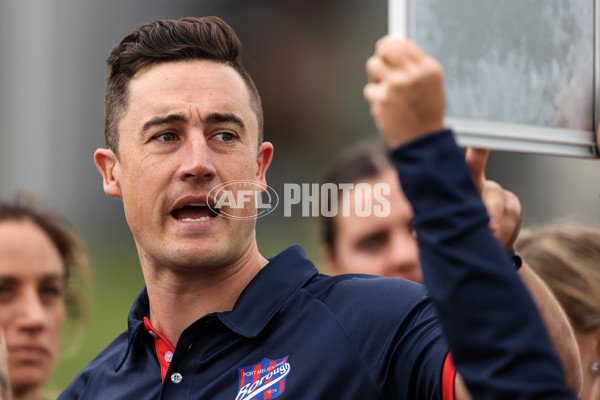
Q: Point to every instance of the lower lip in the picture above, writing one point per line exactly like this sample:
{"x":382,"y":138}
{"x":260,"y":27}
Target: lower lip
{"x":28,"y":354}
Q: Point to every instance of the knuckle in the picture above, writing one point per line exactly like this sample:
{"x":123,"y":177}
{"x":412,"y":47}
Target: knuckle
{"x":513,"y":204}
{"x":512,"y":199}
{"x":387,"y":93}
{"x":493,"y":190}
{"x":372,"y":63}
{"x":397,"y":84}
{"x":433,"y":70}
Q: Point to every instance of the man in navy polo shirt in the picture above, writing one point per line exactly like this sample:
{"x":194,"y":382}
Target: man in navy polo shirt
{"x":219,"y":321}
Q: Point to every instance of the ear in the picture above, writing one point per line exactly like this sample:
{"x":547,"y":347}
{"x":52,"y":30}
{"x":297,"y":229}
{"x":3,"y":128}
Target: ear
{"x":263,"y":159}
{"x":110,"y":169}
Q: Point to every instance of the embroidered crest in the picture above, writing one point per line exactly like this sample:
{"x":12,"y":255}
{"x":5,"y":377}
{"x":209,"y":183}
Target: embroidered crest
{"x":265,"y":380}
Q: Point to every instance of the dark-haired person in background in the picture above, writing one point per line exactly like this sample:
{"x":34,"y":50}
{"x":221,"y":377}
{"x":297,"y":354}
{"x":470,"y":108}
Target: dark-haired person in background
{"x":217,"y":320}
{"x":369,"y":244}
{"x":43,"y":276}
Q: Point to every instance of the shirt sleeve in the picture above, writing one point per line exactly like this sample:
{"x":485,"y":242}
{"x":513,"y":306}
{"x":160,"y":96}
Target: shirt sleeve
{"x":496,"y":336}
{"x":393,"y":325}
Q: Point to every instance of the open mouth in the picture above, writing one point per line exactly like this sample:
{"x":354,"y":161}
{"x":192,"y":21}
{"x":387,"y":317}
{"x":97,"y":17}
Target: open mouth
{"x":194,"y":213}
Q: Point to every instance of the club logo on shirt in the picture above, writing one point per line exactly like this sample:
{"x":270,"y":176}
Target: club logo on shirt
{"x":265,"y":380}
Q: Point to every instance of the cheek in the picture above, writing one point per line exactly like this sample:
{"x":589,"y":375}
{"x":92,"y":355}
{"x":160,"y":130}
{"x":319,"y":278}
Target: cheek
{"x":140,"y":176}
{"x":139,"y":197}
{"x":5,"y":318}
{"x":56,"y":316}
{"x":373,"y":262}
{"x":236,"y":164}
{"x":354,"y":260}
{"x":374,"y":266}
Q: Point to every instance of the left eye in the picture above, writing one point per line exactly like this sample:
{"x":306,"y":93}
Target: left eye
{"x":225,"y":136}
{"x":166,"y":137}
{"x":49,"y":293}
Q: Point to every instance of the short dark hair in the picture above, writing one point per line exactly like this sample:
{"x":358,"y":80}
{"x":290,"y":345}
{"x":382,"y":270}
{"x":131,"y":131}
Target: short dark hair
{"x":68,"y":242}
{"x":364,"y":160}
{"x":161,"y":41}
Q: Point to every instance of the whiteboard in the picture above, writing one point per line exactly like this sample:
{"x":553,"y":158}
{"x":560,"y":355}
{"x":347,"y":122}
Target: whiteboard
{"x":520,"y":75}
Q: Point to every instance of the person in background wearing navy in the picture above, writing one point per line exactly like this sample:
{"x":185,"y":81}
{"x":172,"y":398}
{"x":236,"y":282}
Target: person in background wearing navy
{"x":217,"y":320}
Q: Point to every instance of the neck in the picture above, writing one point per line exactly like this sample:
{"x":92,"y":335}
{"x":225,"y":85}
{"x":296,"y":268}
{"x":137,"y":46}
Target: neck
{"x":178,"y":298}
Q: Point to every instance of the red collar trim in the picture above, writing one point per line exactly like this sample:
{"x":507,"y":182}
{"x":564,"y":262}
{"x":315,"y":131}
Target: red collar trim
{"x":448,"y":375}
{"x":164,"y":349}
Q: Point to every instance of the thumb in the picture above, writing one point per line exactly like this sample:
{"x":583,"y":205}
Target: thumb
{"x":476,"y":162}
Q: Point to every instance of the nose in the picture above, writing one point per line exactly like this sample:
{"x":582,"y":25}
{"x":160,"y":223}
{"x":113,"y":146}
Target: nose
{"x":196,"y":162}
{"x":32,"y":315}
{"x":404,"y":257}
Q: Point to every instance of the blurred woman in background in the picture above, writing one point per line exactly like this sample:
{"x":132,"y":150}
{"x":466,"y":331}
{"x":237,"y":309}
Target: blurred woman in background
{"x":43,"y":277}
{"x":567,"y":258}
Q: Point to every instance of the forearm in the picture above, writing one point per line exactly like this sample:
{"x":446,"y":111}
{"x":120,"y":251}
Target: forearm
{"x":557,"y":324}
{"x":494,"y":331}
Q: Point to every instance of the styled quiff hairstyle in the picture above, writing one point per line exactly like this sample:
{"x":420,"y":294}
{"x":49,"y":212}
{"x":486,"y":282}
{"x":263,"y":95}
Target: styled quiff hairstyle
{"x":25,"y":207}
{"x":567,"y":258}
{"x":161,"y":41}
{"x":365,"y":160}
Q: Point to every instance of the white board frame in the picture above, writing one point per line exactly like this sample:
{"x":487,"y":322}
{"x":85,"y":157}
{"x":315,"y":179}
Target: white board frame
{"x":519,"y":138}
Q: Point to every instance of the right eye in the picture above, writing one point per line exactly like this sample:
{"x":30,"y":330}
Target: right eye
{"x":50,"y":292}
{"x":166,"y":137}
{"x":373,"y":243}
{"x":6,"y":292}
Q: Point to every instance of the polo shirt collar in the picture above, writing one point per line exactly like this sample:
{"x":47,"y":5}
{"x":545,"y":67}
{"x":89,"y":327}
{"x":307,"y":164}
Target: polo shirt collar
{"x":135,"y":322}
{"x":139,"y":310}
{"x":269,"y":290}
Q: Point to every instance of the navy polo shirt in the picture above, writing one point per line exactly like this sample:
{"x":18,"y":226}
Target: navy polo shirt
{"x":294,"y":334}
{"x":300,"y":335}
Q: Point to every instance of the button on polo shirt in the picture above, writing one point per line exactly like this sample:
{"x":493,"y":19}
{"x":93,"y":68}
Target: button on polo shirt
{"x":176,"y":378}
{"x":164,"y":349}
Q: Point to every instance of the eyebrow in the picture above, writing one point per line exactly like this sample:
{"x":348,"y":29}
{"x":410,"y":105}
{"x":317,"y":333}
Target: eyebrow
{"x":52,"y":277}
{"x":212,"y":117}
{"x":162,"y":120}
{"x":226,"y":117}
